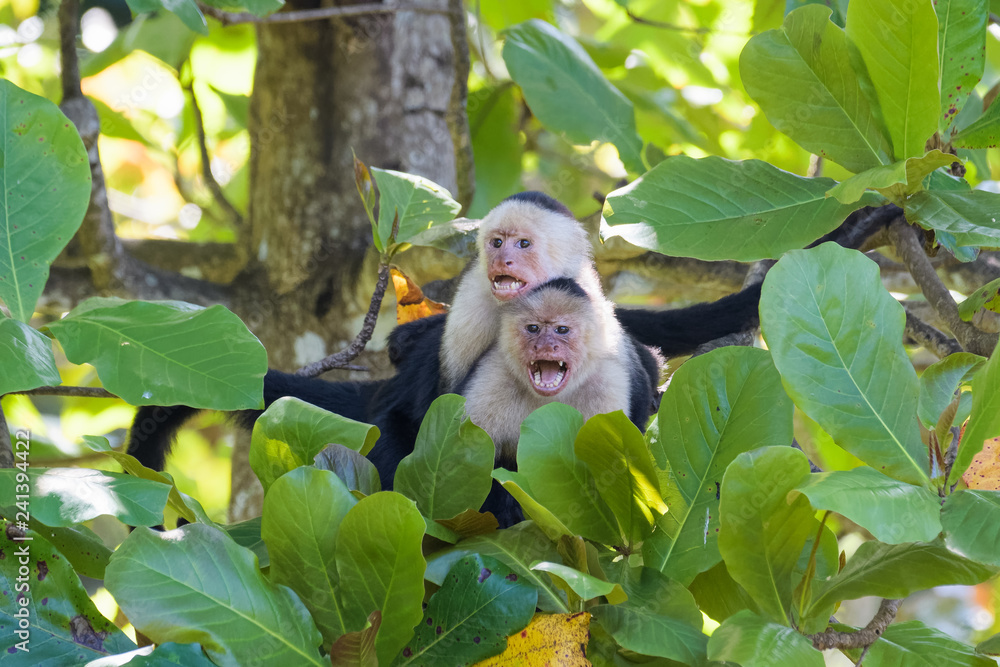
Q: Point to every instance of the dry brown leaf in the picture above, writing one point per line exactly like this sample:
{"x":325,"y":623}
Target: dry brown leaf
{"x":550,"y":640}
{"x":984,"y":472}
{"x":411,"y":304}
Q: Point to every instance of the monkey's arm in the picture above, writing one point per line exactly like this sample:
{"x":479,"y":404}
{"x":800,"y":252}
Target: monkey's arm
{"x":681,"y":330}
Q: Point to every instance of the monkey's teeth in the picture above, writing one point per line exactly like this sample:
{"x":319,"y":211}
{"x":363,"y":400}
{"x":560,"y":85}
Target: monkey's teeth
{"x":513,"y":285}
{"x":536,"y":376}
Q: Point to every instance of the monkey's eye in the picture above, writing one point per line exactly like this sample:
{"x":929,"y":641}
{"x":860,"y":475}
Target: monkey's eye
{"x":531,"y":328}
{"x":496,"y":243}
{"x":523,"y":243}
{"x":562,"y":330}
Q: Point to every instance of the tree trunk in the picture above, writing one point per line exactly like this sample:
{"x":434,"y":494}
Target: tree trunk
{"x":390,"y":86}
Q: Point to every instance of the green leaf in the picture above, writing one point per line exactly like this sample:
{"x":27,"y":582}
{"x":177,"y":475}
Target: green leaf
{"x":897,"y":570}
{"x":517,"y":485}
{"x":712,"y":208}
{"x":449,"y":469}
{"x":247,"y":534}
{"x":291,"y":433}
{"x":496,"y":145}
{"x":194,"y":584}
{"x":517,"y":548}
{"x":841,"y":358}
{"x":186,"y":10}
{"x":659,"y":618}
{"x":913,"y":644}
{"x":303,"y":511}
{"x":381,"y":567}
{"x":891,"y":510}
{"x":167,"y":352}
{"x":469,"y":618}
{"x":45,"y":193}
{"x":568,"y":93}
{"x":971,"y":520}
{"x":961,"y":51}
{"x":28,"y":359}
{"x":718,"y":405}
{"x":940,"y":381}
{"x":718,"y":594}
{"x":984,"y":132}
{"x":64,"y":626}
{"x":984,"y":422}
{"x":801,"y":77}
{"x":255,"y":7}
{"x":989,"y":646}
{"x":171,"y":653}
{"x":898,"y":43}
{"x":81,"y":546}
{"x":357,"y":649}
{"x":761,"y":532}
{"x":353,"y":469}
{"x":911,"y":171}
{"x":418,"y":202}
{"x":557,"y":479}
{"x":752,"y":641}
{"x":585,"y":586}
{"x":970,"y":217}
{"x":987,"y":296}
{"x":65,"y":496}
{"x":614,"y":449}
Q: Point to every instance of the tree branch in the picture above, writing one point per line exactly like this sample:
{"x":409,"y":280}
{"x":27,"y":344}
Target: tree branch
{"x":299,"y":16}
{"x":928,"y":337}
{"x":866,"y":636}
{"x":357,"y":346}
{"x":6,"y":444}
{"x":206,"y":164}
{"x":81,"y":392}
{"x":910,"y":249}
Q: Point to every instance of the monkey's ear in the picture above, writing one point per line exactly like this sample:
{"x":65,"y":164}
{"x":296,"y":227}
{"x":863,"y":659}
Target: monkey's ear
{"x":411,"y":304}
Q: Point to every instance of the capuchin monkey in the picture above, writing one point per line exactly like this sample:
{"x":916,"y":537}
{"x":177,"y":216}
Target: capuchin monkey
{"x":558,"y":343}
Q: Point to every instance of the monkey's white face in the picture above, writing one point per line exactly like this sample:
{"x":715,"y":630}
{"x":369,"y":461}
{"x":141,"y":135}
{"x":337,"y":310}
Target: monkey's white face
{"x":514,"y":264}
{"x":550,"y":345}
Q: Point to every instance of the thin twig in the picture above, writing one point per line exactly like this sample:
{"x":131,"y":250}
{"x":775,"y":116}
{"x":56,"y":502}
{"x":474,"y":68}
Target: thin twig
{"x":666,"y":26}
{"x":866,"y":636}
{"x":932,"y":339}
{"x":6,"y":444}
{"x":910,"y":249}
{"x":302,"y":15}
{"x":206,"y":164}
{"x":69,"y":20}
{"x":340,"y":359}
{"x":80,"y":392}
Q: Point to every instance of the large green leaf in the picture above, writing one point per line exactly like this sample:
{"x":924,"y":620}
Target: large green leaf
{"x":940,"y":381}
{"x":291,"y":433}
{"x":557,"y":479}
{"x":752,"y":641}
{"x":584,"y":586}
{"x":167,"y":352}
{"x":44,"y":192}
{"x":896,"y":180}
{"x":63,"y":625}
{"x":718,"y":594}
{"x":449,"y":469}
{"x":381,"y":568}
{"x":568,"y":93}
{"x":897,"y":570}
{"x":302,"y":514}
{"x":616,"y":452}
{"x":718,"y":405}
{"x":913,"y":644}
{"x":417,"y":202}
{"x":517,"y":548}
{"x":835,"y":336}
{"x":469,"y":618}
{"x":356,"y":471}
{"x":194,"y":584}
{"x":27,"y":356}
{"x":970,"y":217}
{"x":984,"y":422}
{"x":761,"y":532}
{"x":496,"y":145}
{"x":987,"y":296}
{"x":801,"y":77}
{"x":971,"y":520}
{"x":961,"y":51}
{"x":898,"y":43}
{"x":712,"y":208}
{"x":517,"y":486}
{"x":659,"y":618}
{"x":984,"y":132}
{"x":66,"y":496}
{"x":186,"y":10}
{"x":891,"y":510}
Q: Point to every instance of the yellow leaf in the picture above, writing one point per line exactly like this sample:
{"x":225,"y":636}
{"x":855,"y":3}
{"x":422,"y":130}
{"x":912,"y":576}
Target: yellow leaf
{"x":548,"y":641}
{"x":984,"y":472}
{"x":411,"y":304}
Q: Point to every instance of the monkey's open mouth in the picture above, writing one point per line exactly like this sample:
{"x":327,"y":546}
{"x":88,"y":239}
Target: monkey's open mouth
{"x":507,"y":287}
{"x":548,"y":376}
